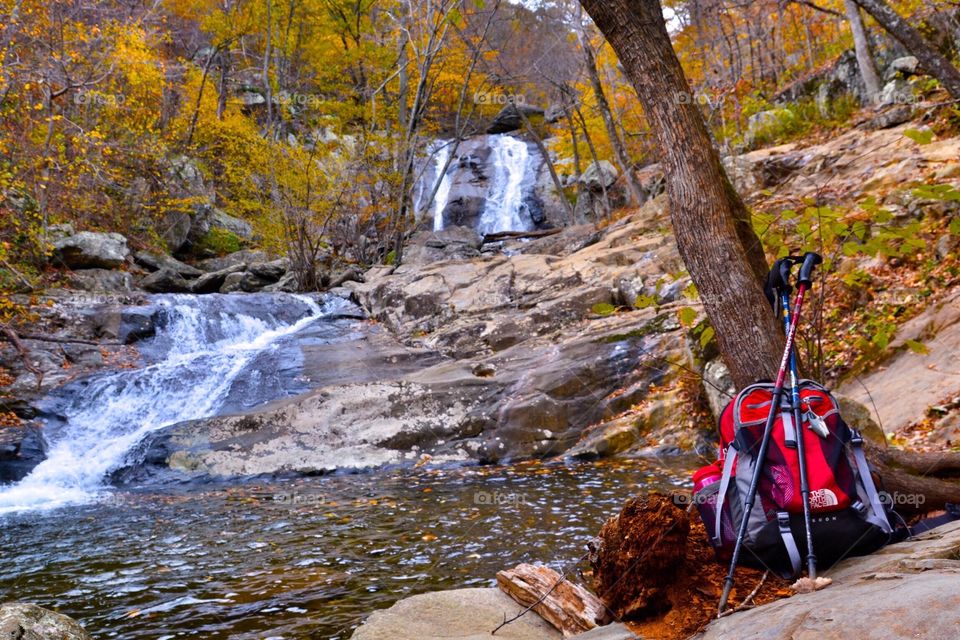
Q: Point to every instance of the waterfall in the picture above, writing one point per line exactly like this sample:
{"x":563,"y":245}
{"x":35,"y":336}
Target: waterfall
{"x":488,"y":186}
{"x":510,"y":160}
{"x":203,"y":346}
{"x":443,"y":188}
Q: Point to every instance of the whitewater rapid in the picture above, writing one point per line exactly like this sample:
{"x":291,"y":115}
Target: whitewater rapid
{"x":202,"y":346}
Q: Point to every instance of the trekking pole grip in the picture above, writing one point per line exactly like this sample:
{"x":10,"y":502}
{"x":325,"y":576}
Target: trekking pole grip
{"x":810,"y":262}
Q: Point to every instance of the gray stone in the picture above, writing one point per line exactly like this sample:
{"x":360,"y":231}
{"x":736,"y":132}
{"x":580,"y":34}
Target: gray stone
{"x":896,"y":91}
{"x":236,"y":226}
{"x":22,"y":621}
{"x":466,"y":614}
{"x":905,"y":590}
{"x":288,"y":283}
{"x":101,"y":280}
{"x":156,"y":261}
{"x":244,"y":257}
{"x":554,"y":113}
{"x":211,"y":282}
{"x":252,"y":282}
{"x":905,"y":66}
{"x":233,"y":282}
{"x":892,"y":117}
{"x":175,"y":229}
{"x":271,"y":271}
{"x":945,"y":245}
{"x":614,"y":631}
{"x":509,"y":118}
{"x":599,"y":175}
{"x":60,"y":231}
{"x":718,"y":385}
{"x":208,"y":218}
{"x":87,"y":249}
{"x":137,"y":323}
{"x":165,"y":281}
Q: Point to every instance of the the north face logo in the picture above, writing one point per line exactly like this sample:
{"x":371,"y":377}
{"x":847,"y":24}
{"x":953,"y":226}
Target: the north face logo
{"x":823,"y":498}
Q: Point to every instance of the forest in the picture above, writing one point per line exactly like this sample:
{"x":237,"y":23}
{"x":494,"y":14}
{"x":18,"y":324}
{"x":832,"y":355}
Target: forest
{"x":409,"y":319}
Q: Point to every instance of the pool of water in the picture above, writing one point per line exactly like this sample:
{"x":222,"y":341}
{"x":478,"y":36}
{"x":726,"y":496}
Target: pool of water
{"x":310,"y":557}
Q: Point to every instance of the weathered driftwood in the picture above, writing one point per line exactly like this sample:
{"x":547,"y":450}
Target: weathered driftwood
{"x":514,"y":235}
{"x":567,"y":606}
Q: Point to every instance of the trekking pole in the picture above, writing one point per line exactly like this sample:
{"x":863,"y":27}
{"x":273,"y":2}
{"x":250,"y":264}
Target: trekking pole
{"x":809,"y":262}
{"x":785,"y":289}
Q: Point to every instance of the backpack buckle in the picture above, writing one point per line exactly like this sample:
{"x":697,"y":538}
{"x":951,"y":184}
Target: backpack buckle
{"x":855,"y":438}
{"x":783,"y":520}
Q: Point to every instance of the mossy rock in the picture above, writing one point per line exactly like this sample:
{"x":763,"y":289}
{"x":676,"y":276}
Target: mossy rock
{"x":221,"y":242}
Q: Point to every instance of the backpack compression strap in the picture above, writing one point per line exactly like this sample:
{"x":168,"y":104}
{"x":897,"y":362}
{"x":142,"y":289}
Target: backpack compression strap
{"x":728,"y":461}
{"x":783,"y":522}
{"x":879,"y":515}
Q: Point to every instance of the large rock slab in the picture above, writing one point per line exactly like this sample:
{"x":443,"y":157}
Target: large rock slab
{"x":910,"y":383}
{"x":906,"y":590}
{"x":466,"y":614}
{"x":22,"y":621}
{"x":88,"y":250}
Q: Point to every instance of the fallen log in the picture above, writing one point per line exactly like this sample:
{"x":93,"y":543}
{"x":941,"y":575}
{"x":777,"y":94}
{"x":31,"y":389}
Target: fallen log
{"x":919,"y":482}
{"x":515,"y":235}
{"x":565,"y":605}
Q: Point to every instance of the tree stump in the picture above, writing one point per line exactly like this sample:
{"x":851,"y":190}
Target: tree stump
{"x":637,"y":556}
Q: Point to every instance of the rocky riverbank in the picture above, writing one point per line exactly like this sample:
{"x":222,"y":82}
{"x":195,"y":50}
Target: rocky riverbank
{"x":901,"y":591}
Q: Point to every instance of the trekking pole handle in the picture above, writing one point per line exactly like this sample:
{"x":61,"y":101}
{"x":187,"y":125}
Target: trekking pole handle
{"x":786,"y":266}
{"x":810,"y":262}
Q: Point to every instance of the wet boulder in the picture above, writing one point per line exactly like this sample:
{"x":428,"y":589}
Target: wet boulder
{"x":212,"y":282}
{"x":157,"y":261}
{"x":21,"y":449}
{"x":244,"y":257}
{"x":95,"y":280}
{"x":270,"y":271}
{"x":23,"y":621}
{"x":165,"y":281}
{"x":511,"y":117}
{"x":89,"y":250}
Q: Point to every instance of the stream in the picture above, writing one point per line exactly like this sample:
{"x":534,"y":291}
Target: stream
{"x":278,"y":558}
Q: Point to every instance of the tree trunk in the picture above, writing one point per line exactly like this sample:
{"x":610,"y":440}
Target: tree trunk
{"x":716,"y":242}
{"x":619,"y":150}
{"x":868,"y":70}
{"x":711,"y":224}
{"x":931,"y":61}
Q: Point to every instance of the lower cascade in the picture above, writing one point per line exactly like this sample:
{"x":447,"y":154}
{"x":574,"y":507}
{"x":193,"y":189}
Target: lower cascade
{"x":203,"y":354}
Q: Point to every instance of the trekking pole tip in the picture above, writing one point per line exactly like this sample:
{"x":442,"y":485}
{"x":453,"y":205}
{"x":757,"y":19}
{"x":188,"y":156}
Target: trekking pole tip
{"x":727,"y":586}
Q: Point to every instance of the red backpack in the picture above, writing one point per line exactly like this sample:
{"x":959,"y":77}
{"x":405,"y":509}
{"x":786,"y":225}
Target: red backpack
{"x":848,"y":514}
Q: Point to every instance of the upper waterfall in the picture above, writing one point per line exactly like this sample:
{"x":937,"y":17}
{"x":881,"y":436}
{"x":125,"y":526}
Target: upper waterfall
{"x":487,"y":182}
